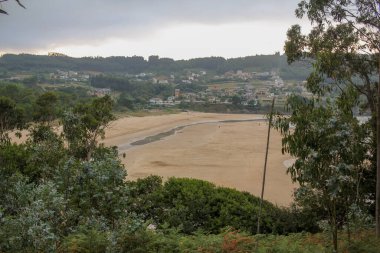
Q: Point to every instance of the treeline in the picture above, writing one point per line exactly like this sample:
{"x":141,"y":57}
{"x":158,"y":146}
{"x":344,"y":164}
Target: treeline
{"x":137,"y":64}
{"x":26,"y":97}
{"x":133,"y":95}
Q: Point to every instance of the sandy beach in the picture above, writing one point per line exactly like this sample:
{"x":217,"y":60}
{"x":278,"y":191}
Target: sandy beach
{"x":227,"y":154}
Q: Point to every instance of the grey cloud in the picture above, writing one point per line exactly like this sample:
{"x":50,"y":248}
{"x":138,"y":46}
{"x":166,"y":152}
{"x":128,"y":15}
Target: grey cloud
{"x":48,"y":23}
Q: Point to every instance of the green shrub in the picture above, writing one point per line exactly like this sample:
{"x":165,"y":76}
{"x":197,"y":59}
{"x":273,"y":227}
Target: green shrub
{"x":191,"y":205}
{"x":85,"y":241}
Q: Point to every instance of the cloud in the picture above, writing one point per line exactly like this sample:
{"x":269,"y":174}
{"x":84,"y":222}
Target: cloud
{"x":54,"y":23}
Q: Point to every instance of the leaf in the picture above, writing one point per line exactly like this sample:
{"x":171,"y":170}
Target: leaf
{"x":3,"y":12}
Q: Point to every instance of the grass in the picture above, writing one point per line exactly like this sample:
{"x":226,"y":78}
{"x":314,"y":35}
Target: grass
{"x":231,"y":241}
{"x":66,"y":85}
{"x":144,"y":113}
{"x":225,"y":85}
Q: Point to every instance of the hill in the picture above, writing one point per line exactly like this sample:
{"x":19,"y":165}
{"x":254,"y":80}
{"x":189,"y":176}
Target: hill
{"x":137,"y":64}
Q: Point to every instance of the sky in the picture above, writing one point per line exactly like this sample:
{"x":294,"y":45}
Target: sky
{"x":179,"y":29}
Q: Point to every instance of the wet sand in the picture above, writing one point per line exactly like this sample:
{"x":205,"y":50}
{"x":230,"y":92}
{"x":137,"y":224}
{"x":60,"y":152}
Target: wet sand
{"x":227,"y":154}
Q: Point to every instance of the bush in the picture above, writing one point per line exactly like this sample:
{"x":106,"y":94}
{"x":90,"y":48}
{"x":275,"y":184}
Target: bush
{"x":191,"y":205}
{"x":85,"y":241}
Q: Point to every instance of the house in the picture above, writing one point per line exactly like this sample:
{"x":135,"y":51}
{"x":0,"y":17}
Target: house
{"x":100,"y":92}
{"x":177,"y":93}
{"x":160,"y":80}
{"x":263,"y":92}
{"x":156,"y":101}
{"x":163,"y":82}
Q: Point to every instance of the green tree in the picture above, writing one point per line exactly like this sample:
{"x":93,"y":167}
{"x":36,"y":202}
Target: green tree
{"x":33,"y":217}
{"x":126,"y":100}
{"x":11,"y":118}
{"x":46,"y":108}
{"x":331,"y":151}
{"x":30,"y":81}
{"x":94,"y":189}
{"x":345,"y":46}
{"x":236,"y":100}
{"x":45,"y":151}
{"x":85,"y":124}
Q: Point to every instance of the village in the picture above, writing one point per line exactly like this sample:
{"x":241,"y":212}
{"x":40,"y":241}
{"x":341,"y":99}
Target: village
{"x":196,"y":87}
{"x":237,"y":88}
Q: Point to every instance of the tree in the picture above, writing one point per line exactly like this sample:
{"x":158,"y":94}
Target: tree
{"x":85,"y":124}
{"x":236,"y":100}
{"x":126,"y":100}
{"x":331,"y":151}
{"x":45,"y":111}
{"x":344,"y":45}
{"x":11,"y":118}
{"x":3,"y":11}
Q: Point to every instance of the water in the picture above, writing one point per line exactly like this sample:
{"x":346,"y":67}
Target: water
{"x":163,"y":135}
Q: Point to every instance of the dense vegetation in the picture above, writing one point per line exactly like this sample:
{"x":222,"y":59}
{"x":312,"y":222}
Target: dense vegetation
{"x":338,"y":157}
{"x":26,"y":97}
{"x":137,"y":64}
{"x":66,"y":192}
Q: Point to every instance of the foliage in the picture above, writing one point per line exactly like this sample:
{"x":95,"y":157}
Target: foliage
{"x":85,"y":241}
{"x":46,"y":109}
{"x":169,"y":240}
{"x":344,"y":45}
{"x":11,"y":117}
{"x":94,"y":188}
{"x":33,"y":226}
{"x":137,"y":64}
{"x":46,"y":194}
{"x":331,"y":149}
{"x":85,"y":124}
{"x":114,"y":83}
{"x":45,"y":151}
{"x":191,"y":205}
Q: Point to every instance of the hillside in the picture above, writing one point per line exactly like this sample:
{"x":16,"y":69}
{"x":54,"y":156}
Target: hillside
{"x":137,"y":64}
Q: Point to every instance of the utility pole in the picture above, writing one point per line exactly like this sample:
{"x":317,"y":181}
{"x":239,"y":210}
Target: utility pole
{"x":265,"y":168}
{"x":377,"y":213}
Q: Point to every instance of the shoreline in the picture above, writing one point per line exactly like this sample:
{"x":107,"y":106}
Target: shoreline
{"x":229,"y":154}
{"x":162,"y":135}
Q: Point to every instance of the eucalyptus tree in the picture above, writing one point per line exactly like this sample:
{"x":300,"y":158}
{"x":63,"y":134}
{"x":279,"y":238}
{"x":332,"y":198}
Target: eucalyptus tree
{"x":46,"y":108}
{"x":344,"y":45}
{"x":85,"y":124}
{"x":331,"y":150}
{"x":11,"y":118}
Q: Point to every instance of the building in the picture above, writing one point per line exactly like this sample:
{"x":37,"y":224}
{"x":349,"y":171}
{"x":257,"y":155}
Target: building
{"x":100,"y":92}
{"x":56,"y":54}
{"x":177,"y":93}
{"x":156,"y":101}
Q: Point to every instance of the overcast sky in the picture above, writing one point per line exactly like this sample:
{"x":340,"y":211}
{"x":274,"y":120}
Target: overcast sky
{"x":180,"y":29}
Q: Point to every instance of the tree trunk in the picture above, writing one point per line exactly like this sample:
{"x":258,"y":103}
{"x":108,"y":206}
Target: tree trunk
{"x":378,"y":158}
{"x":334,"y":227}
{"x":335,"y":237}
{"x":348,"y":232}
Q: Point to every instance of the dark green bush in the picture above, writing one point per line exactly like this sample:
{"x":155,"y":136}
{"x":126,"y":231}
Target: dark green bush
{"x":191,"y":205}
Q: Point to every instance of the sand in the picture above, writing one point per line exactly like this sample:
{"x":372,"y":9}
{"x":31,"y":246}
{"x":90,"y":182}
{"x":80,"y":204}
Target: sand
{"x":227,"y":154}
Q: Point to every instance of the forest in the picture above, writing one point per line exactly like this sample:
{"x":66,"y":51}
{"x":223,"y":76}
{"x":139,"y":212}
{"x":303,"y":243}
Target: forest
{"x":137,"y":64}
